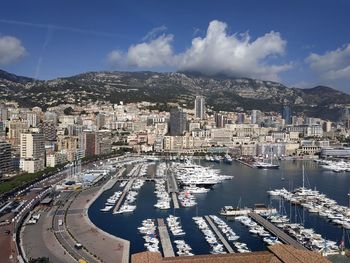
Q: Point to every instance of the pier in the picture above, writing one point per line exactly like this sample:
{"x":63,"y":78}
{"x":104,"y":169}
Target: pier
{"x":285,"y":238}
{"x":113,"y":180}
{"x":220,"y":236}
{"x":165,"y":239}
{"x":175,"y":201}
{"x":245,"y":163}
{"x":172,"y":184}
{"x":121,"y":198}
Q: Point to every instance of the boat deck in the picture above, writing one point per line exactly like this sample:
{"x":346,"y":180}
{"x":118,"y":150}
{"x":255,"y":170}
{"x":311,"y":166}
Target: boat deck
{"x":165,"y":239}
{"x":220,"y":236}
{"x":285,"y":238}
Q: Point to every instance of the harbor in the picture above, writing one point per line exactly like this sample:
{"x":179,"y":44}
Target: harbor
{"x":233,"y":186}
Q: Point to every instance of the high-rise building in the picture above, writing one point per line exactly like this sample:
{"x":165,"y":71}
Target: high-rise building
{"x":199,"y":107}
{"x":220,"y":120}
{"x":256,"y":117}
{"x":32,"y":152}
{"x":5,"y":158}
{"x":32,"y":119}
{"x":3,"y":113}
{"x":16,"y":127}
{"x":100,"y":120}
{"x":90,"y":143}
{"x":178,"y":121}
{"x":287,"y":114}
{"x":240,"y":118}
{"x":345,"y":117}
{"x":49,"y":130}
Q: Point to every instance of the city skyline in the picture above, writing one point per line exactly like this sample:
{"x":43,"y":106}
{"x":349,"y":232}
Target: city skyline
{"x":250,"y":39}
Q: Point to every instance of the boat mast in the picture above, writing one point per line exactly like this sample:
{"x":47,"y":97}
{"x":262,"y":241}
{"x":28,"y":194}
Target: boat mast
{"x":303,"y":176}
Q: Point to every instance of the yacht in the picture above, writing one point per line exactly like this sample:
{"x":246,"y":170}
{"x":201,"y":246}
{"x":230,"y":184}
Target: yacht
{"x":228,"y":159}
{"x":265,"y":165}
{"x":106,"y":208}
{"x":234,"y":211}
{"x":193,"y":189}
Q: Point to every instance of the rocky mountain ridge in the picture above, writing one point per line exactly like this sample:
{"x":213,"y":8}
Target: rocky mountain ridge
{"x":222,"y":93}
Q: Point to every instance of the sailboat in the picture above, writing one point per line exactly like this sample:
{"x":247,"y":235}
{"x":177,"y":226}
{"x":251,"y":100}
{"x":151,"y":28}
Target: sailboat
{"x":266,"y":165}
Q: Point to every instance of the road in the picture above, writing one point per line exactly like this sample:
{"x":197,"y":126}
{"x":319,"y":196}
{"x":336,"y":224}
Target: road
{"x":64,"y":237}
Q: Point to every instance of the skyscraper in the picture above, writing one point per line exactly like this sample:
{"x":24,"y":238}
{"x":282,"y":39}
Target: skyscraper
{"x":199,"y":107}
{"x":240,"y":118}
{"x":287,"y":114}
{"x":220,"y":120}
{"x":178,"y":121}
{"x":256,"y":117}
{"x":5,"y":158}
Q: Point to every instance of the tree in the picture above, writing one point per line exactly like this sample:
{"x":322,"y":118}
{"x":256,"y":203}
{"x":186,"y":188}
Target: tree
{"x":68,"y":111}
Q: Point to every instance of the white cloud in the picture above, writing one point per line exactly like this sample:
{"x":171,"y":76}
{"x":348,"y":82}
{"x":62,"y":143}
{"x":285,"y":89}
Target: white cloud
{"x":219,"y":52}
{"x":332,"y":65}
{"x":155,"y":53}
{"x":115,"y":57}
{"x":154,"y":33}
{"x":11,"y":49}
{"x":216,"y":53}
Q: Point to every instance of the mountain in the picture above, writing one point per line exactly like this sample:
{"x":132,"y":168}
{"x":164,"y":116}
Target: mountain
{"x":222,"y":93}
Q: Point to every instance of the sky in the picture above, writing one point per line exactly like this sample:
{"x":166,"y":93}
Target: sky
{"x":296,"y":42}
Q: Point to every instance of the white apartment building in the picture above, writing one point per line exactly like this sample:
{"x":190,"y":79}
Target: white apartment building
{"x":32,"y":152}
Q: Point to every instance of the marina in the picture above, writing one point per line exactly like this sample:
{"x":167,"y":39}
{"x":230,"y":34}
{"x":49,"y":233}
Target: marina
{"x":229,"y":184}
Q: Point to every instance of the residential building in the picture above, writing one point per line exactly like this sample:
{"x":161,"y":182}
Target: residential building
{"x":5,"y":158}
{"x":287,"y":114}
{"x":199,"y":107}
{"x":32,"y":152}
{"x":178,"y":121}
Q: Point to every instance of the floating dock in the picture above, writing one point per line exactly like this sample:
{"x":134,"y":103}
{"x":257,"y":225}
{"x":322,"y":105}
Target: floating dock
{"x":167,"y":247}
{"x":175,"y":201}
{"x":285,"y":238}
{"x":121,"y":198}
{"x":220,"y":236}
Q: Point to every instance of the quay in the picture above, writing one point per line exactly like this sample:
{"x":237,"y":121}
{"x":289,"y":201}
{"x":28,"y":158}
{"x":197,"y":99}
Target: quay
{"x":285,"y":238}
{"x":165,"y":239}
{"x":245,"y":163}
{"x":220,"y":236}
{"x":121,"y":198}
{"x":175,"y":201}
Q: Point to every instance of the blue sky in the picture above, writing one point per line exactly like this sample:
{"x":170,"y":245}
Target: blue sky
{"x":300,"y":43}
